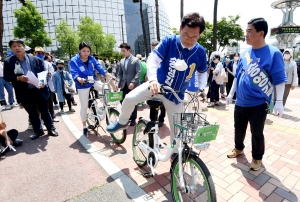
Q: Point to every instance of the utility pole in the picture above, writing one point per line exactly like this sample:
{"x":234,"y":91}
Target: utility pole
{"x":181,"y":9}
{"x":122,"y":27}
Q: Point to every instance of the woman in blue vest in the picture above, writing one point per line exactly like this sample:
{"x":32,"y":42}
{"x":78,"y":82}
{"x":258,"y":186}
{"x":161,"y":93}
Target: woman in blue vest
{"x":82,"y":68}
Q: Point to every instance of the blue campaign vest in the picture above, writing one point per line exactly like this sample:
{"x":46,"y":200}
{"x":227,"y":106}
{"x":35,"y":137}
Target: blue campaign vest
{"x":258,"y":76}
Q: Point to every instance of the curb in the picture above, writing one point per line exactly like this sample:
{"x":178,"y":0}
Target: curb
{"x":131,"y":188}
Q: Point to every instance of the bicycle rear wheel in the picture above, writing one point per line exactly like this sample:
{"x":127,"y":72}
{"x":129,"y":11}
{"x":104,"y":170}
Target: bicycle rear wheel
{"x":91,"y":119}
{"x":198,"y":182}
{"x":138,"y":135}
{"x":120,"y":136}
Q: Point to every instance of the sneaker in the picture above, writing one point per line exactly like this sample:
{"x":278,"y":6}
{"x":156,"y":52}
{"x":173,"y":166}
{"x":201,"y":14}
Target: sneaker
{"x":8,"y":107}
{"x":30,"y":127}
{"x":62,"y":111}
{"x":85,"y":132}
{"x":55,"y":120}
{"x":234,"y":153}
{"x":74,"y":103}
{"x":71,"y":110}
{"x":14,"y":104}
{"x":114,"y":127}
{"x":255,"y":164}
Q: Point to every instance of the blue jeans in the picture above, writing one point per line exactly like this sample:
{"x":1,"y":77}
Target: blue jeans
{"x":9,"y":89}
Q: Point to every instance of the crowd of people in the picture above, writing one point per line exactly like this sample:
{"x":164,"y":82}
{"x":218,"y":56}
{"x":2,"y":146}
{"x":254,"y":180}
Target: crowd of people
{"x":178,"y":61}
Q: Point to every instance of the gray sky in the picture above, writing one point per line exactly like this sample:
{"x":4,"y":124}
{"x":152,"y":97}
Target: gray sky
{"x":246,"y":9}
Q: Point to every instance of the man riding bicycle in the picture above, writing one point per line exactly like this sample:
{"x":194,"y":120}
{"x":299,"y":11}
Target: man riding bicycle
{"x":172,"y":63}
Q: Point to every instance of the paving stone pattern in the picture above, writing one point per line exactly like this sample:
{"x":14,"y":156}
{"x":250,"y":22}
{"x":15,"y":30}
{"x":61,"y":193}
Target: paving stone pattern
{"x":277,"y":180}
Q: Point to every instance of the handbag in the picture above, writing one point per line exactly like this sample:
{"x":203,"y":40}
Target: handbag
{"x":221,"y":76}
{"x":70,"y":89}
{"x":226,"y":78}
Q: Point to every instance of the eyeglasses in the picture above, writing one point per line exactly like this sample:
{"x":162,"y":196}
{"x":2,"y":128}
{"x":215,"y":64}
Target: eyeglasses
{"x":39,"y":52}
{"x":187,"y":37}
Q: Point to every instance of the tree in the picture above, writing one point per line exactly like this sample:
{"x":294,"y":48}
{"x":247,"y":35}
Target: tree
{"x":67,"y":38}
{"x":59,"y":53}
{"x":1,"y":24}
{"x":228,"y":33}
{"x":143,"y":27}
{"x":174,"y":30}
{"x":215,"y":26}
{"x":206,"y":38}
{"x":91,"y":32}
{"x":157,"y":20}
{"x":30,"y":26}
{"x":109,"y":42}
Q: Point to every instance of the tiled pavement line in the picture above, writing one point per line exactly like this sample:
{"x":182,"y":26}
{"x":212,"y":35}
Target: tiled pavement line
{"x":131,"y":189}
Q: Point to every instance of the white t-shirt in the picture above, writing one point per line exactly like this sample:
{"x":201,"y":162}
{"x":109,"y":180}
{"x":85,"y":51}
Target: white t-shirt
{"x":234,"y":66}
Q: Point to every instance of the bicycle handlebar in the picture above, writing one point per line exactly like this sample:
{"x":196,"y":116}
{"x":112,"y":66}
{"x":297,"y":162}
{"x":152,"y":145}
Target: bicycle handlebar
{"x":162,"y":87}
{"x":107,"y":82}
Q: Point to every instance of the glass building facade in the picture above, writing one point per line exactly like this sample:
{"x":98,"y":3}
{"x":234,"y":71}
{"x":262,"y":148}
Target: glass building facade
{"x":106,"y":12}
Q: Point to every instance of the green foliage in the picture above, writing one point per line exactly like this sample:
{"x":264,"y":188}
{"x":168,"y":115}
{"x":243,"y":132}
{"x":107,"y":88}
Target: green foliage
{"x":111,"y":55}
{"x":174,"y":30}
{"x":91,"y":32}
{"x":109,"y":42}
{"x":30,"y":26}
{"x":296,"y":52}
{"x":206,"y":38}
{"x":67,"y":38}
{"x":228,"y":33}
{"x":59,"y":53}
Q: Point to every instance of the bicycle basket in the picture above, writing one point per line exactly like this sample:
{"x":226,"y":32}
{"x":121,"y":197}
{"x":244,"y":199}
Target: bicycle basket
{"x":193,"y":128}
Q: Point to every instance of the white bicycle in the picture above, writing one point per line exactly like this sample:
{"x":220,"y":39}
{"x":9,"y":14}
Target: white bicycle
{"x":107,"y":110}
{"x":190,"y":178}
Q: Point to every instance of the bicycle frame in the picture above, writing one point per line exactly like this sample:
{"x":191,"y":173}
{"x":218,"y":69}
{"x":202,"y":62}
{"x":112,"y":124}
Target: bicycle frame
{"x":164,"y":157}
{"x":105,"y":105}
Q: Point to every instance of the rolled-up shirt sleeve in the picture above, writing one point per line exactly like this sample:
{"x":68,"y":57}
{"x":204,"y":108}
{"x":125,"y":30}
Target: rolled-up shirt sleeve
{"x":153,"y":63}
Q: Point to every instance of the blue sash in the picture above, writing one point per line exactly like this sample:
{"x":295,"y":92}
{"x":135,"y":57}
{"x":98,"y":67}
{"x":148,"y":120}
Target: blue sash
{"x":258,"y":77}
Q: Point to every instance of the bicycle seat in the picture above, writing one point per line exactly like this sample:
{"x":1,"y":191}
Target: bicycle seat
{"x":154,"y":103}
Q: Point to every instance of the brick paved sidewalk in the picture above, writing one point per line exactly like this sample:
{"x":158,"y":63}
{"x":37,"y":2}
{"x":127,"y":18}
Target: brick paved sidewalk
{"x":278,"y":180}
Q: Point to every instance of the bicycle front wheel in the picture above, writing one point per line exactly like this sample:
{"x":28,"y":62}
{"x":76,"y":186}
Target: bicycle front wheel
{"x":120,"y":136}
{"x":138,"y":135}
{"x":198,"y":183}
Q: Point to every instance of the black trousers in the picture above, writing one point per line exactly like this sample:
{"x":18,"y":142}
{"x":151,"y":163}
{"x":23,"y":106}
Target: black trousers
{"x":256,"y":116}
{"x":161,"y":117}
{"x":125,"y":92}
{"x":50,"y":105}
{"x":298,"y":77}
{"x":68,"y":98}
{"x":12,"y":134}
{"x":229,"y":85}
{"x":214,"y":91}
{"x":34,"y":103}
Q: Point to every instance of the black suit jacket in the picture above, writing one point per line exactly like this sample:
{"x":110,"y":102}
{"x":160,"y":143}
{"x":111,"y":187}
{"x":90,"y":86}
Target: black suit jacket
{"x":21,"y":88}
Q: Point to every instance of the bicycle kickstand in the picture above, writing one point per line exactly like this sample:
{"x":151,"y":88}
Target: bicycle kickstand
{"x":101,"y":128}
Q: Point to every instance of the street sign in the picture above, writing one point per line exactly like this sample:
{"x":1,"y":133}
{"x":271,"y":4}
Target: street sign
{"x":285,"y":30}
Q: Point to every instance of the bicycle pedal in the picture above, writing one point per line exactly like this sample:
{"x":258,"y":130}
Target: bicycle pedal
{"x":147,"y":175}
